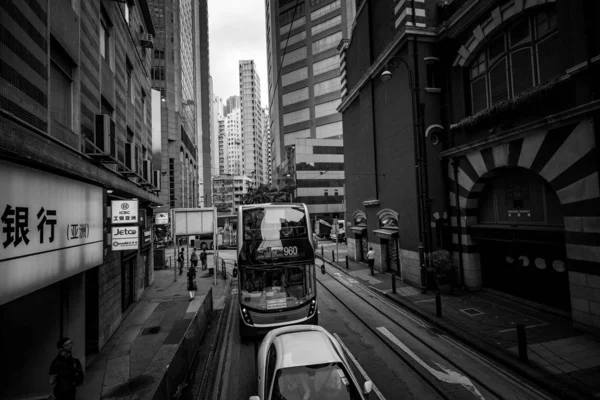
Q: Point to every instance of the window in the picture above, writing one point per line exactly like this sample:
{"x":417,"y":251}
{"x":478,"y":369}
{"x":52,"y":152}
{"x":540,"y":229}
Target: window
{"x":127,"y":11}
{"x":104,"y":41}
{"x":325,"y":109}
{"x":294,"y":56}
{"x":297,"y":24}
{"x":329,"y":130}
{"x":296,"y":117}
{"x":130,"y":93}
{"x":295,"y":96}
{"x":158,"y":73}
{"x":330,"y":23}
{"x":515,"y":60}
{"x":326,"y":65}
{"x":298,"y":37}
{"x":328,"y":86}
{"x":325,"y":10}
{"x":61,"y":82}
{"x":328,"y":42}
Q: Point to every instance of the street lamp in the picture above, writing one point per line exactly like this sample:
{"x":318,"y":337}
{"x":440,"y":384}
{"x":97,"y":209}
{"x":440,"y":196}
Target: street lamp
{"x":420,"y":154}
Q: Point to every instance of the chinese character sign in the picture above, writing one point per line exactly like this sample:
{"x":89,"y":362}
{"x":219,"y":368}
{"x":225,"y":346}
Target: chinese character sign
{"x":50,"y":228}
{"x":124,"y":212}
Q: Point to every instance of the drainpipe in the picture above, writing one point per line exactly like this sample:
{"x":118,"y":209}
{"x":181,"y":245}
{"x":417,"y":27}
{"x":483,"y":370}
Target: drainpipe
{"x":422,"y":187}
{"x":461,"y":268}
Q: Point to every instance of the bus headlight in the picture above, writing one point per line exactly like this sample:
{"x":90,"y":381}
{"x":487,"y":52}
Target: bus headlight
{"x":246,"y":316}
{"x":312,"y":308}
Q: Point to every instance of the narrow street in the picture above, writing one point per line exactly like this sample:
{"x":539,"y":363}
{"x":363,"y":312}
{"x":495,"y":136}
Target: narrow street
{"x":397,"y":351}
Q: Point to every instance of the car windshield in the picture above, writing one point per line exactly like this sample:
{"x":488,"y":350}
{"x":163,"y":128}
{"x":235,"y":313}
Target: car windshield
{"x":315,"y":382}
{"x":275,"y":223}
{"x":271,"y":288}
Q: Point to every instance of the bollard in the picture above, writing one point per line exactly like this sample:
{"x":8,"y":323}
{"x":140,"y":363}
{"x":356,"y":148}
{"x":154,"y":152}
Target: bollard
{"x":347,"y":265}
{"x":438,"y":304}
{"x":393,"y":283}
{"x":522,"y":340}
{"x":332,"y":256}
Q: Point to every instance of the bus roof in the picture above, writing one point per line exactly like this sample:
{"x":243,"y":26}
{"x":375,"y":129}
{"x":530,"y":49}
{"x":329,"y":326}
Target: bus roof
{"x":270,"y":205}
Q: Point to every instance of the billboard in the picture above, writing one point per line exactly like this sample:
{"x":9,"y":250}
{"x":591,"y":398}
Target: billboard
{"x":194,"y":221}
{"x":52,"y":228}
{"x":227,"y":230}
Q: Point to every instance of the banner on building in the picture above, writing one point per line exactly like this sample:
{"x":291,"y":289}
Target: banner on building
{"x":52,"y":228}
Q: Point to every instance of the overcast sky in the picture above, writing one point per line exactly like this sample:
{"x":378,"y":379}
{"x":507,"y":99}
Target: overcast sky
{"x":236,"y":32}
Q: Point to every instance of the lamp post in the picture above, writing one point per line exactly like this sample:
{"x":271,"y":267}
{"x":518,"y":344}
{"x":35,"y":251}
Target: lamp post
{"x":420,"y":167}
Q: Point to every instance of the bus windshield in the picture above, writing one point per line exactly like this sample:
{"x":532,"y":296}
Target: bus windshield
{"x":276,"y":287}
{"x":276,"y":223}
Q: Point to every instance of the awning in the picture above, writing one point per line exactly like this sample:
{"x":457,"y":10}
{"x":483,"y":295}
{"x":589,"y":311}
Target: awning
{"x":386,"y":233}
{"x":358,"y":229}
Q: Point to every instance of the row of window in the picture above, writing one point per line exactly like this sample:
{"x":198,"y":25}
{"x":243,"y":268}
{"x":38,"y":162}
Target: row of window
{"x":515,"y":60}
{"x":321,"y":110}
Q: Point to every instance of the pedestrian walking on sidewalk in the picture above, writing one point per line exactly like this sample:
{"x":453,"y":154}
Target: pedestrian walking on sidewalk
{"x":371,"y":260}
{"x":203,"y":259}
{"x":194,"y":258}
{"x":65,"y":372}
{"x":191,"y":284}
{"x":180,"y":259}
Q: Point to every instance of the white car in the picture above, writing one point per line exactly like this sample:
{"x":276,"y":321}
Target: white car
{"x":305,"y":362}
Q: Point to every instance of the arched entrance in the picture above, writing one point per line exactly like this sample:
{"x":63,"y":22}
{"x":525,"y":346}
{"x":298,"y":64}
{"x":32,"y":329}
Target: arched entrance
{"x":388,"y":235}
{"x":361,"y":239}
{"x":521,"y":237}
{"x":563,"y":156}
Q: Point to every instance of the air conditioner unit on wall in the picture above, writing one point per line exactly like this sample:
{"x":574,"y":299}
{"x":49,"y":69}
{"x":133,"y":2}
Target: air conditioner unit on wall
{"x":130,"y":157}
{"x":147,"y":171}
{"x":104,"y":144}
{"x":156,"y":179}
{"x":147,"y":40}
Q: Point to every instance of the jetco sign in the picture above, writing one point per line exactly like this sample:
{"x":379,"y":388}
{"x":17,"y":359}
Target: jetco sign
{"x":124,"y":212}
{"x":125,"y":238}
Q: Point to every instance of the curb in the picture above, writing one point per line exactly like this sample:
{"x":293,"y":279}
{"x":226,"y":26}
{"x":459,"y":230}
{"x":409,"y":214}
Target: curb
{"x":563,"y":390}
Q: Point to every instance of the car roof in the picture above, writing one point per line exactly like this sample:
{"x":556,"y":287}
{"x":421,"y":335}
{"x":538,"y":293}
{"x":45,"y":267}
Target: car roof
{"x":304,"y":348}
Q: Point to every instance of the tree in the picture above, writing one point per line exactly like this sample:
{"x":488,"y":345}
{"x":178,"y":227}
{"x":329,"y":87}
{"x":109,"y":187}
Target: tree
{"x":220,"y":198}
{"x":264,"y":194}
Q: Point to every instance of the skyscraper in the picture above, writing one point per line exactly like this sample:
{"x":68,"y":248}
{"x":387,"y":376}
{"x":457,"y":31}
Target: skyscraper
{"x":252,"y":122}
{"x":182,"y":80}
{"x":304,"y":82}
{"x":233,"y":143}
{"x":231,"y":103}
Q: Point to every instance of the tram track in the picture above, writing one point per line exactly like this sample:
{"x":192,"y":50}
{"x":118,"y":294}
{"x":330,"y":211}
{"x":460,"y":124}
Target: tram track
{"x":407,"y":360}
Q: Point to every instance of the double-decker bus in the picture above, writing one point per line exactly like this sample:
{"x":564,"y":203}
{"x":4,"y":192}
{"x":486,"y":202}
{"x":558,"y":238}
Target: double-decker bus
{"x":277,"y":285}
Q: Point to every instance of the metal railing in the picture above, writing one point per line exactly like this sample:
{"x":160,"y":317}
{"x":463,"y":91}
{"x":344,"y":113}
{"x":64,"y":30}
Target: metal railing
{"x":174,"y":379}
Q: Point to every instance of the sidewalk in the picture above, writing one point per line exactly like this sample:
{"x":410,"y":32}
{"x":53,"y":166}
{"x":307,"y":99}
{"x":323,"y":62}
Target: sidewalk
{"x":133,"y":362}
{"x":561,"y":358}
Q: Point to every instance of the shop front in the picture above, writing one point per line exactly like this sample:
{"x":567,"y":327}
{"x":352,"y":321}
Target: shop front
{"x":52,"y":235}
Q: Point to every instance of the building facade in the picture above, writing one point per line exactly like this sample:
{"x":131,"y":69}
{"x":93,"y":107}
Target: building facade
{"x":504,"y":140}
{"x":228,"y":192}
{"x":174,"y":75}
{"x":252,"y":118}
{"x":304,"y":82}
{"x":232,"y":151}
{"x":204,"y":91}
{"x":76,"y":134}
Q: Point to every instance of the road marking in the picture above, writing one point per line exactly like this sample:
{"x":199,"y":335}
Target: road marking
{"x":424,"y":301}
{"x":362,"y":371}
{"x":527,"y":327}
{"x":448,"y":376}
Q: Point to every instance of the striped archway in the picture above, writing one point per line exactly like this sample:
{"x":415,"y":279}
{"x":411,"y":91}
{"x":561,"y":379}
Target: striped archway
{"x":565,"y":157}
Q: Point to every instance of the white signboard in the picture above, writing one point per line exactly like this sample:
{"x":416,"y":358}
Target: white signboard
{"x":161,"y":218}
{"x":51,"y":229}
{"x":194,"y":221}
{"x":125,"y":238}
{"x":124,"y":212}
